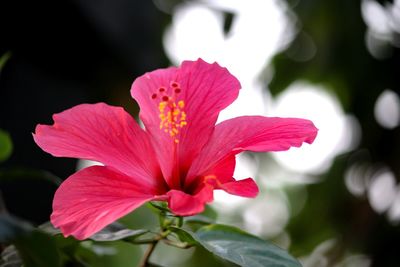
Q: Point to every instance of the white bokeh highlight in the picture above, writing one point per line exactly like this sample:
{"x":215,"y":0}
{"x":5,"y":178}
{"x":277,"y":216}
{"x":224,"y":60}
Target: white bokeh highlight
{"x":268,"y":216}
{"x":382,"y":191}
{"x":383,"y":24}
{"x":337,"y":131}
{"x":259,"y":30}
{"x":387,"y":109}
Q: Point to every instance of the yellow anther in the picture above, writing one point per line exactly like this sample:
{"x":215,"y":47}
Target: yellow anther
{"x":172,"y":117}
{"x":183,"y":116}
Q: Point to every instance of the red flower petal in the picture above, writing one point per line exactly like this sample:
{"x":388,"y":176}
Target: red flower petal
{"x":244,"y":188}
{"x":253,"y":133}
{"x":224,"y":170}
{"x":197,"y":89}
{"x":102,"y":133}
{"x":183,"y":204}
{"x":94,"y":197}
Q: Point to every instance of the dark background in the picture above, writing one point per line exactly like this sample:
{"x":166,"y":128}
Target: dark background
{"x":63,"y":54}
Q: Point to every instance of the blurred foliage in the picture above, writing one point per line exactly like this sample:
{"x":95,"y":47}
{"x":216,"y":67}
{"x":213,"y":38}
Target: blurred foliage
{"x":336,"y":31}
{"x":114,"y":245}
{"x":6,"y":145}
{"x":330,"y":49}
{"x":36,"y":248}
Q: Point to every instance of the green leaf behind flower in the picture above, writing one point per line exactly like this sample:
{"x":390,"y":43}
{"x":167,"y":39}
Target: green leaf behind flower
{"x":112,"y":232}
{"x":244,"y":249}
{"x":208,"y":216}
{"x":115,"y":232}
{"x":36,"y":248}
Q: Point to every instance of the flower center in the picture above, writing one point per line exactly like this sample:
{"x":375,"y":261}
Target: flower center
{"x":172,"y":115}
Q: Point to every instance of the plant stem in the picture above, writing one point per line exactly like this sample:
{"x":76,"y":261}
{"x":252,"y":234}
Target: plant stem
{"x":146,"y":257}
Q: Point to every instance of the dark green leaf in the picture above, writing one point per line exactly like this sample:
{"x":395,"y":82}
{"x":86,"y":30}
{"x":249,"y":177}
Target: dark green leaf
{"x":117,"y":231}
{"x":159,"y":206}
{"x":208,"y":216}
{"x":153,"y":265}
{"x":49,"y":228}
{"x":113,"y":232}
{"x":199,"y":219}
{"x":37,"y":249}
{"x":209,"y":212}
{"x":106,"y":254}
{"x":6,"y":146}
{"x":141,"y":218}
{"x":184,"y":236}
{"x":237,"y":246}
{"x":10,"y":257}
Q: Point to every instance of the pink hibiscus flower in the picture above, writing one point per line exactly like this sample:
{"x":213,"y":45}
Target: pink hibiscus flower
{"x":180,"y":157}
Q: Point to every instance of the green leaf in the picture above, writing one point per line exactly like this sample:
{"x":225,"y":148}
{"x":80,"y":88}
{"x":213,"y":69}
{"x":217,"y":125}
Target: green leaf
{"x":208,"y":216}
{"x":237,"y":246}
{"x":6,"y":145}
{"x":113,"y":232}
{"x":158,"y":206}
{"x":184,"y":236}
{"x":210,"y":213}
{"x":199,"y":219}
{"x":49,"y":228}
{"x":141,"y":218}
{"x":10,"y":257}
{"x":117,"y":231}
{"x":106,"y":254}
{"x":36,"y":248}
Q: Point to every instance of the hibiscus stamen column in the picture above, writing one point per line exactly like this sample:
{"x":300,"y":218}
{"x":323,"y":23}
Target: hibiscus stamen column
{"x":172,"y":116}
{"x":172,"y":119}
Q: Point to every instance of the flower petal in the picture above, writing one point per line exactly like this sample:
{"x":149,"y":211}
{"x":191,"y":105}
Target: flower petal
{"x":222,"y":173}
{"x":198,"y":91}
{"x":244,"y":188}
{"x":224,"y":170}
{"x":102,"y":133}
{"x":183,"y":204}
{"x":94,"y":197}
{"x":253,"y":133}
